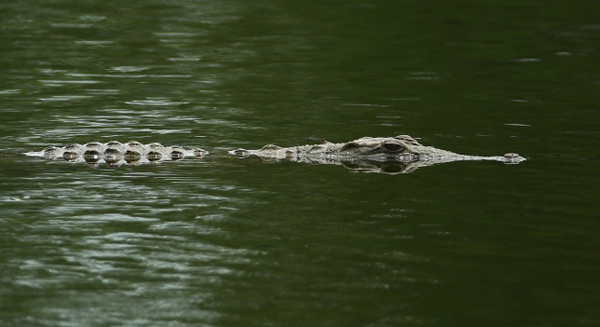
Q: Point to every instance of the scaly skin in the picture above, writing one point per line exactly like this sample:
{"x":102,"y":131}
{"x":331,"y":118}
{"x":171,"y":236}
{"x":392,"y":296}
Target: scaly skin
{"x":116,"y":153}
{"x":402,"y":153}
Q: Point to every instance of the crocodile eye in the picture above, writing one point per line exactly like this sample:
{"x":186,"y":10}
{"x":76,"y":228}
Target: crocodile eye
{"x":393,"y":147}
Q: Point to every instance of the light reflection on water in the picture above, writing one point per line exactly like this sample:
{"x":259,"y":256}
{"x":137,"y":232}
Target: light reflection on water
{"x":173,"y":275}
{"x":88,"y":233}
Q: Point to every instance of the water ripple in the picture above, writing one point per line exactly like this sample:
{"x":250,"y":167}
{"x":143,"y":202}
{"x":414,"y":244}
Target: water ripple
{"x":66,"y":97}
{"x":126,"y":76}
{"x":96,"y":43}
{"x":128,"y":69}
{"x":156,"y":102}
{"x":63,"y":82}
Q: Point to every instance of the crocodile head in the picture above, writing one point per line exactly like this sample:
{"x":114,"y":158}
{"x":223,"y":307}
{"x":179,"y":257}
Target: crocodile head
{"x":379,"y":146}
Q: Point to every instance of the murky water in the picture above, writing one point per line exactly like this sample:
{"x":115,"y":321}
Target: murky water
{"x":223,"y":241}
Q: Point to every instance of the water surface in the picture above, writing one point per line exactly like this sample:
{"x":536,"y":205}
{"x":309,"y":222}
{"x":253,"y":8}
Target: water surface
{"x":220,"y":241}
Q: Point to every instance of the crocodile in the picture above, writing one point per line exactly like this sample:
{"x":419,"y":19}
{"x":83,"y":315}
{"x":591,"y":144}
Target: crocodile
{"x":400,"y":154}
{"x":115,"y":153}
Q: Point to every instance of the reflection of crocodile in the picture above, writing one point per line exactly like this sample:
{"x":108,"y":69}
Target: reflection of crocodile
{"x":400,"y":154}
{"x":115,"y":153}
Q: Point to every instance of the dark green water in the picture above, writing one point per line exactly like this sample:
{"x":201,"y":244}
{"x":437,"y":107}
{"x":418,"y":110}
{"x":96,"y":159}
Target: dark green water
{"x":226,"y":242}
